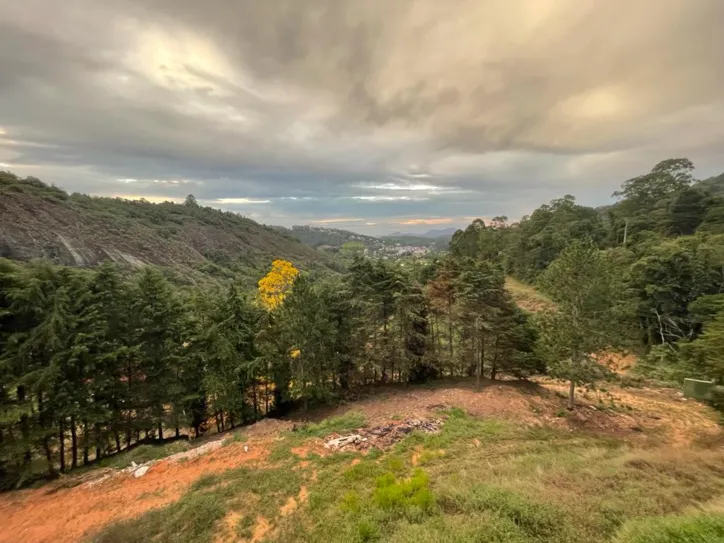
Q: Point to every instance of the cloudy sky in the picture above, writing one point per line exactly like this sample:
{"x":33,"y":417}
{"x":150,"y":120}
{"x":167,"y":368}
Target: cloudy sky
{"x":371,"y":115}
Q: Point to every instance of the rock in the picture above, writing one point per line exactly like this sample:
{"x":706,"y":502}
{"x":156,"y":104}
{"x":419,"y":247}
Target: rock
{"x":343,"y":441}
{"x":246,"y":448}
{"x":140,"y":472}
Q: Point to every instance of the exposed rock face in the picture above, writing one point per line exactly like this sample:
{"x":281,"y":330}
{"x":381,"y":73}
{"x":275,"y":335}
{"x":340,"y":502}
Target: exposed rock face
{"x":38,"y":221}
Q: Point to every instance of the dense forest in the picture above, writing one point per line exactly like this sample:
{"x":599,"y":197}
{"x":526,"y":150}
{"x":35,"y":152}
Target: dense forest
{"x":96,"y":360}
{"x":663,"y":241}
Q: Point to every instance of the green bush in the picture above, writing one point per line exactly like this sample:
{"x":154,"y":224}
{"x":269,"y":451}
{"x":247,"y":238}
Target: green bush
{"x":717,"y":398}
{"x":392,"y":494}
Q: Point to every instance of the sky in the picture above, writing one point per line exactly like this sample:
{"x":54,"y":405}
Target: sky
{"x":369,"y":115}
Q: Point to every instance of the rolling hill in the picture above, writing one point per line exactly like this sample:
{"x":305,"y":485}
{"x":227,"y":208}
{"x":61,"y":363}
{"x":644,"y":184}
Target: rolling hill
{"x":191,"y":242}
{"x":318,"y":236}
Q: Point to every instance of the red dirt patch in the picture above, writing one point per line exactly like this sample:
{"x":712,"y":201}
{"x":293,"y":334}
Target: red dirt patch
{"x":70,"y":514}
{"x":228,"y":528}
{"x":310,"y":447}
{"x":261,"y":529}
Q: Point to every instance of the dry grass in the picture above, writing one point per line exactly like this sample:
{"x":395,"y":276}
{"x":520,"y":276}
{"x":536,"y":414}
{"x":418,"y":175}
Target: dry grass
{"x":526,"y":296}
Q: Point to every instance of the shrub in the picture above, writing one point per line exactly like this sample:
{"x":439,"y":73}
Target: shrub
{"x":405,"y":494}
{"x":717,"y":398}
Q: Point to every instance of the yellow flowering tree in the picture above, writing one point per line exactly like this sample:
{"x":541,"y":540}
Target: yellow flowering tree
{"x":276,"y":284}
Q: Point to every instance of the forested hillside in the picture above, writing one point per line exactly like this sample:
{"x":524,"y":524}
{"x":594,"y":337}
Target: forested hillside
{"x":663,"y":241}
{"x":96,"y":361}
{"x":318,"y":236}
{"x":41,"y":221}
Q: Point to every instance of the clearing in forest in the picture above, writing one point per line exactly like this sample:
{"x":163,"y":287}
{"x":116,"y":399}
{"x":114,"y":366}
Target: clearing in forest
{"x":526,"y":296}
{"x":507,"y":463}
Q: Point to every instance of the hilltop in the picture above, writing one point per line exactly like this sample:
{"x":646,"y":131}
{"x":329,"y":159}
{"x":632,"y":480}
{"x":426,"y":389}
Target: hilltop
{"x":41,"y":221}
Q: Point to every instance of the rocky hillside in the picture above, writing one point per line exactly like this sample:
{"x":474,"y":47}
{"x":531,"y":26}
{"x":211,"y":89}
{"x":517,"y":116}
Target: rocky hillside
{"x":40,"y":221}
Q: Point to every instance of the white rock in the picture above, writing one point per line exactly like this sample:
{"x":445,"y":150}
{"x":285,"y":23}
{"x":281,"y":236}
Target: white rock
{"x":345,"y":440}
{"x":246,"y":448}
{"x":140,"y":472}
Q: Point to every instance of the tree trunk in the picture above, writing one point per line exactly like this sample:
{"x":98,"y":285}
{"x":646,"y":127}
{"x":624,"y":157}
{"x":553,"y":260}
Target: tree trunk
{"x":61,"y":444}
{"x":450,"y":335}
{"x":478,"y":369}
{"x":99,"y":451}
{"x":118,"y":440}
{"x":24,"y":427}
{"x":571,"y":394}
{"x":48,"y":456}
{"x":256,"y":403}
{"x":160,"y":432}
{"x":73,"y":443}
{"x":178,"y":432}
{"x":494,"y":362}
{"x":129,"y":433}
{"x":85,"y":444}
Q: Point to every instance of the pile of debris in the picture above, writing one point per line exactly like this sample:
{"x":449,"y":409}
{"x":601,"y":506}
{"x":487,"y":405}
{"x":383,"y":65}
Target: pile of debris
{"x":381,"y":437}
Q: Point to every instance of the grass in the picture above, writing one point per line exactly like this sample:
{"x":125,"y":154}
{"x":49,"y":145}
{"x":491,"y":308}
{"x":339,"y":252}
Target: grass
{"x":526,"y":296}
{"x":189,"y":520}
{"x":344,"y":423}
{"x":693,"y":528}
{"x":145,"y":453}
{"x":475,"y":480}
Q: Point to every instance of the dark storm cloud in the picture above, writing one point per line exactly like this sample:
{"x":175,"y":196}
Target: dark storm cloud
{"x":337,"y":109}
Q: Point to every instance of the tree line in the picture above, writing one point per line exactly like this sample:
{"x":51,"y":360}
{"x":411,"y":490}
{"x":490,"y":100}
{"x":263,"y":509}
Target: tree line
{"x":661,"y":243}
{"x":94,"y":361}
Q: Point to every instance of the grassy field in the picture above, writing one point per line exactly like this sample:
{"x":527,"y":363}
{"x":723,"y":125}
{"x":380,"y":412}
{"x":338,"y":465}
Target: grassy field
{"x":476,"y":480}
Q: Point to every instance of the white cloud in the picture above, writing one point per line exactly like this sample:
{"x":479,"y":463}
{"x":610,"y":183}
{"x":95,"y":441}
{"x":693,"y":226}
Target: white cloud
{"x":238,"y":201}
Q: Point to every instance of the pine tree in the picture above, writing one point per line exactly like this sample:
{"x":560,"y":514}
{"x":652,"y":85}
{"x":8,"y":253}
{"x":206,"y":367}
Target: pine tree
{"x":157,"y":332}
{"x":571,"y":334}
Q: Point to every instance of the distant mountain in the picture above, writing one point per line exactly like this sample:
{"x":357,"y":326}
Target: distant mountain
{"x":189,"y":241}
{"x":440,"y":233}
{"x":432,"y":234}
